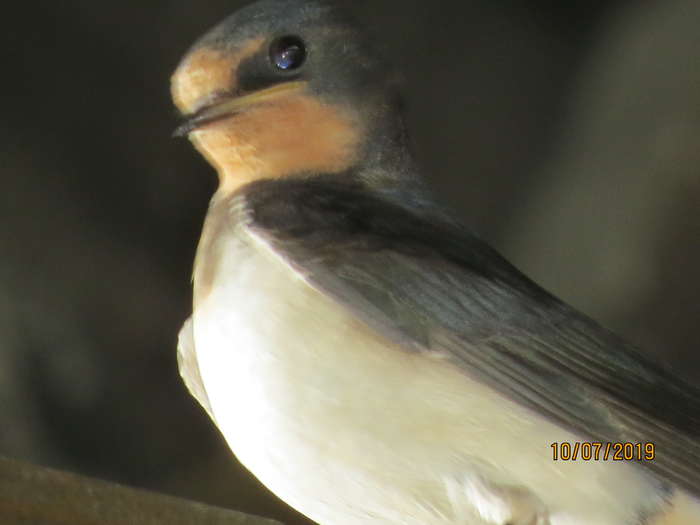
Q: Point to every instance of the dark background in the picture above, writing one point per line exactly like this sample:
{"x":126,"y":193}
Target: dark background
{"x":567,"y":134}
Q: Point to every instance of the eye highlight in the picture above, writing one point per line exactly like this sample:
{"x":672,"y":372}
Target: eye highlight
{"x":288,"y":53}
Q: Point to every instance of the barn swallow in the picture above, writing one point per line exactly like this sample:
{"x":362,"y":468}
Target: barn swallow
{"x":364,"y":354}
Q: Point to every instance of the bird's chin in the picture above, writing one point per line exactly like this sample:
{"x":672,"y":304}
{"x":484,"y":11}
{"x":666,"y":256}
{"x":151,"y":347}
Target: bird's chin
{"x":226,"y":106}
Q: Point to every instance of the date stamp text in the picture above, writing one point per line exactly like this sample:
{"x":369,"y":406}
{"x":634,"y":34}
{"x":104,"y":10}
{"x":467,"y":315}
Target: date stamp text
{"x":602,"y":451}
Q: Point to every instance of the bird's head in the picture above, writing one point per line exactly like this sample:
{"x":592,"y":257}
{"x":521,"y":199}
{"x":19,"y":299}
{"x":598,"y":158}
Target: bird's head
{"x":290,"y":88}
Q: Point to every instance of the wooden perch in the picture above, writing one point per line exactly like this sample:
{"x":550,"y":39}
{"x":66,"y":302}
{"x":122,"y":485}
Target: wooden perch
{"x":41,"y":496}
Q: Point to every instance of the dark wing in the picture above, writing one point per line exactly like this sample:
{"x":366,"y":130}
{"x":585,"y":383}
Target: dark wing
{"x":432,"y":286}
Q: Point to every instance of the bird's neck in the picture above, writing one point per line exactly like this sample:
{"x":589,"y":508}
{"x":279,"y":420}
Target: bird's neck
{"x":301,"y":137}
{"x":387,"y":164}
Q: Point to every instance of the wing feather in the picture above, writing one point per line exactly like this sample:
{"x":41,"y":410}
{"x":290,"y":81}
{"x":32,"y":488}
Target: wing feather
{"x":424,"y":281}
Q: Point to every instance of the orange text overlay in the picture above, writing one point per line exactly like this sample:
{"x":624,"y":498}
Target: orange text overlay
{"x":601,"y":451}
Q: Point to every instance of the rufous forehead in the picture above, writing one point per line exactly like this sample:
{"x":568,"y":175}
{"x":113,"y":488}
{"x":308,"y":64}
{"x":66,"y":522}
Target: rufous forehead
{"x":206,"y":72}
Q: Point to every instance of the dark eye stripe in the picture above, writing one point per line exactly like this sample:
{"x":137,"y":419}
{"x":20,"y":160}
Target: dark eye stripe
{"x":288,"y":53}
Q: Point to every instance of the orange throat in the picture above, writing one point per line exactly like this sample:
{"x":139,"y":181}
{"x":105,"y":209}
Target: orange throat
{"x":292,"y":135}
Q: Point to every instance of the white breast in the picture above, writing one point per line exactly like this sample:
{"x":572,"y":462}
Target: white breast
{"x":349,"y":429}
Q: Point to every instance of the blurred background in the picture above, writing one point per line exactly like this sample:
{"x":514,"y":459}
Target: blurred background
{"x":566,"y":133}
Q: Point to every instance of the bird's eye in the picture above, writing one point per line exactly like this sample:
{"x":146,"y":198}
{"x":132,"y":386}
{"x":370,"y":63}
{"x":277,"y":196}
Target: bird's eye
{"x":288,"y":53}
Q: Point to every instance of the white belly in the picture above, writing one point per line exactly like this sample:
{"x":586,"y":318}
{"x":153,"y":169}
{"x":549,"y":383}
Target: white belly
{"x":349,"y":429}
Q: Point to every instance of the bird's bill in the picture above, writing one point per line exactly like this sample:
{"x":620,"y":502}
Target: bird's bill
{"x":229,"y":106}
